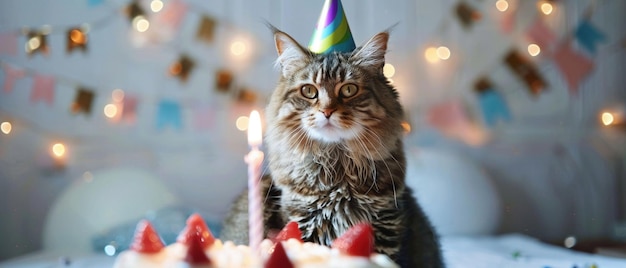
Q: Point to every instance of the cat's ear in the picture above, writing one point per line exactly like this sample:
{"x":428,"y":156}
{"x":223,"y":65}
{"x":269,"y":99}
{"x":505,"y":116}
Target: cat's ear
{"x":291,"y":55}
{"x":372,"y":54}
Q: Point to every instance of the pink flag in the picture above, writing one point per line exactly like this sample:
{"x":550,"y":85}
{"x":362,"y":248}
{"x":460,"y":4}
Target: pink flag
{"x":129,"y":109}
{"x":43,"y":89}
{"x":507,"y":23}
{"x":10,"y":76}
{"x":573,"y":66}
{"x":172,"y":14}
{"x":8,"y":43}
{"x":539,"y":33}
{"x":203,"y":116}
{"x":447,"y":114}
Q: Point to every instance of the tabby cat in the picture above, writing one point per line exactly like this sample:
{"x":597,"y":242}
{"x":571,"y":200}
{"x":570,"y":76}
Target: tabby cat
{"x":335,"y":153}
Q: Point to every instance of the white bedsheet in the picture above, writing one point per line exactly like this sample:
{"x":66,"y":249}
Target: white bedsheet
{"x":513,"y":250}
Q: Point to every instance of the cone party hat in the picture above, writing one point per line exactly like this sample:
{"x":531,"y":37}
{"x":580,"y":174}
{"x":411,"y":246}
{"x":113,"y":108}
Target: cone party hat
{"x":332,"y":32}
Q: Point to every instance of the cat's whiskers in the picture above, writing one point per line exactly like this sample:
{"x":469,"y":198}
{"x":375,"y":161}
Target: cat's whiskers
{"x":393,"y":184}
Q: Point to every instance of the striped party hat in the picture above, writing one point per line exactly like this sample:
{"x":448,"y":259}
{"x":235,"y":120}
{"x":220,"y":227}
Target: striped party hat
{"x":332,"y":32}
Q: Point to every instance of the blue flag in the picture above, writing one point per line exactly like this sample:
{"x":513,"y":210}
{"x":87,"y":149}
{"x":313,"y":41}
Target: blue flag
{"x":589,"y":36}
{"x":493,"y":107}
{"x":169,"y":113}
{"x":93,"y":3}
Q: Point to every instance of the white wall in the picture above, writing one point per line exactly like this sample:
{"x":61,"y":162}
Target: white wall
{"x":204,"y":168}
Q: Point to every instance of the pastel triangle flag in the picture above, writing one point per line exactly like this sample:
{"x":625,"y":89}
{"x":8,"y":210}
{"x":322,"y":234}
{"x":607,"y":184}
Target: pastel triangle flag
{"x":10,"y":76}
{"x":203,"y":116}
{"x":169,"y":114}
{"x":129,"y":108}
{"x":573,"y":65}
{"x":507,"y":23}
{"x":447,"y":114}
{"x":494,"y":107}
{"x":172,"y":14}
{"x":589,"y":36}
{"x":43,"y":89}
{"x":543,"y":36}
{"x":8,"y":43}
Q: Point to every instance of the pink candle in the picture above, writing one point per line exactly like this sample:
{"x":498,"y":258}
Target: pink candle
{"x":254,"y":159}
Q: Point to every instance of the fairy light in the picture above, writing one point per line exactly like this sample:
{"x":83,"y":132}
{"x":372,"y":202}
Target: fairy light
{"x":242,"y":123}
{"x":569,"y":242}
{"x":607,"y":118}
{"x":117,"y":95}
{"x":534,"y":50}
{"x":6,"y":127}
{"x":58,"y":150}
{"x":110,"y":110}
{"x":502,"y":5}
{"x":141,"y":24}
{"x":33,"y":43}
{"x":431,"y":55}
{"x":156,"y":5}
{"x":546,"y":7}
{"x":238,"y":48}
{"x":443,"y":52}
{"x":389,"y":70}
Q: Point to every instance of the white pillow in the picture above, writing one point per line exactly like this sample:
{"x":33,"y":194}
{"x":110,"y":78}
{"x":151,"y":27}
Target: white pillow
{"x":455,"y":193}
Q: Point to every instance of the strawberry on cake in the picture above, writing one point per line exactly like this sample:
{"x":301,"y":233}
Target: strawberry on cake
{"x":196,"y":246}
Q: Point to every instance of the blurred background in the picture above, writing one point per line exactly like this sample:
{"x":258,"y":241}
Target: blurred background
{"x":116,"y":110}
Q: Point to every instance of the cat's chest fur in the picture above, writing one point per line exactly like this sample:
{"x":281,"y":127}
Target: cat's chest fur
{"x":328,"y":191}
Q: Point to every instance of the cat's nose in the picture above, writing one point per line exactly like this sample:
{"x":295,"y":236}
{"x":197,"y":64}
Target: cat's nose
{"x":328,"y":112}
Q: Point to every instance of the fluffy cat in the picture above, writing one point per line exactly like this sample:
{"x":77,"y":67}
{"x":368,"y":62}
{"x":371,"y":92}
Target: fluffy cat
{"x":335,"y":153}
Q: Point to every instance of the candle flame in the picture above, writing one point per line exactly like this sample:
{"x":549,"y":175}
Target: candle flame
{"x":254,"y":129}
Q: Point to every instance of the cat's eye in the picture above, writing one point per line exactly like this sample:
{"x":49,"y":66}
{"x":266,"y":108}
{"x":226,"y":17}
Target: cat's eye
{"x":348,"y":90}
{"x":309,"y":91}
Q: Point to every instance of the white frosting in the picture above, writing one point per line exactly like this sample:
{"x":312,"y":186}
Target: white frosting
{"x":227,"y":254}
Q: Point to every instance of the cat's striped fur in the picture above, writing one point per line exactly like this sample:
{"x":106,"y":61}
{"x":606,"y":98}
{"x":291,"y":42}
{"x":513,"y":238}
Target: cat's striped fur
{"x":335,"y":153}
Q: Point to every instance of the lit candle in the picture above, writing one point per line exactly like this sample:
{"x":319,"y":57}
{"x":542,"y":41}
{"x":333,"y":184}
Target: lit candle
{"x":254,"y":159}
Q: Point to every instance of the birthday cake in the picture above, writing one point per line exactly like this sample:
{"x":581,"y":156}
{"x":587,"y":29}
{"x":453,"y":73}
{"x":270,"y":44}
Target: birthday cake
{"x":197,"y":247}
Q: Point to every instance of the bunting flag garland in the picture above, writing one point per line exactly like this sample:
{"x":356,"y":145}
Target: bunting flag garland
{"x":467,"y":14}
{"x":129,"y":108}
{"x":10,"y":76}
{"x":492,"y":104}
{"x":573,"y":66}
{"x":82,"y":101}
{"x":206,"y":29}
{"x":134,"y":10}
{"x":526,"y":72}
{"x":8,"y":43}
{"x":223,"y":80}
{"x":447,"y":115}
{"x":172,"y":14}
{"x":203,"y":116}
{"x":540,"y":34}
{"x":182,"y":68}
{"x":589,"y":36}
{"x":43,"y":89}
{"x":37,"y":42}
{"x":76,"y":38}
{"x":169,"y":113}
{"x":93,"y":3}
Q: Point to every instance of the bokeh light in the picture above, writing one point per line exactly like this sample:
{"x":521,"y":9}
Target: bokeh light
{"x":389,"y":70}
{"x":431,"y":55}
{"x":607,"y":118}
{"x":110,"y":110}
{"x":6,"y":127}
{"x":58,"y":149}
{"x":502,"y":5}
{"x":156,"y":5}
{"x":534,"y":50}
{"x":443,"y":52}
{"x":546,"y":8}
{"x":242,"y":123}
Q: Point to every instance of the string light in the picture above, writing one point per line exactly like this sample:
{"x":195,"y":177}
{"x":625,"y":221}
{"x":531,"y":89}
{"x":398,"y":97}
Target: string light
{"x":569,"y":242}
{"x":546,"y":7}
{"x":141,"y":24}
{"x":58,"y":150}
{"x":242,"y":123}
{"x":502,"y":5}
{"x":607,"y":118}
{"x":117,"y":95}
{"x":238,"y":48}
{"x":6,"y":127}
{"x":534,"y":50}
{"x":389,"y":70}
{"x":431,"y":55}
{"x":443,"y":52}
{"x":156,"y":5}
{"x":110,"y":110}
